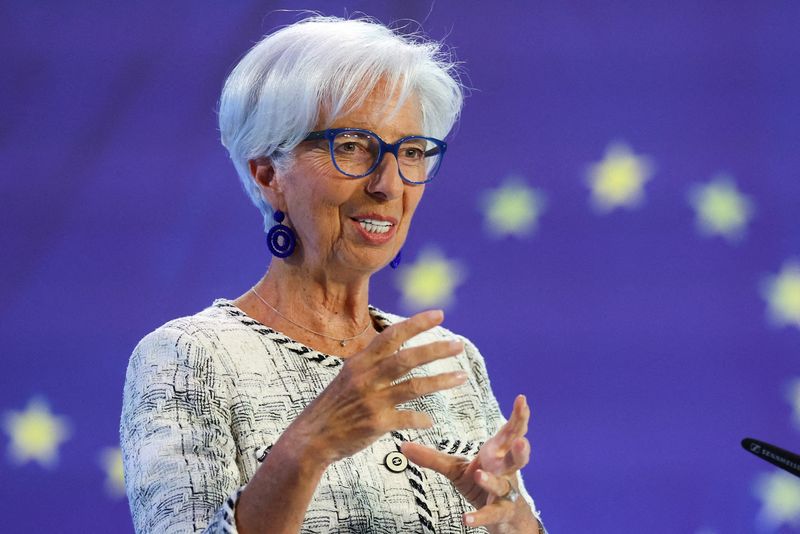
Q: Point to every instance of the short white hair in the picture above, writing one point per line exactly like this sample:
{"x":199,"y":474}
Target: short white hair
{"x":273,"y":97}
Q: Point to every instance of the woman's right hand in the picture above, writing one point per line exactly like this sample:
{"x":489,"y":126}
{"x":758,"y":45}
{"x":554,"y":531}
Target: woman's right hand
{"x":360,"y":404}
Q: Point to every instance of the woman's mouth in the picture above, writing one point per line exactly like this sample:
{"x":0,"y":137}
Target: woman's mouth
{"x":375,"y":227}
{"x":375,"y":230}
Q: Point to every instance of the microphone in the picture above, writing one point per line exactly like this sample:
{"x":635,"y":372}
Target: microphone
{"x":786,"y":460}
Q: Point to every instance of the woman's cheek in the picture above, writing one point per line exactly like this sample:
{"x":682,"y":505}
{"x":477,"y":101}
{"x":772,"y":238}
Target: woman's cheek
{"x":412,"y":200}
{"x":319,"y":166}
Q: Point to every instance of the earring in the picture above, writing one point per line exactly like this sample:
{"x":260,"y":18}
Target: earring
{"x":280,"y":238}
{"x":396,"y":261}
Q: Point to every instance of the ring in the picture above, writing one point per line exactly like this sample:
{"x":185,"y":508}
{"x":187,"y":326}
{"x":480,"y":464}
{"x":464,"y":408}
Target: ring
{"x":512,"y":494}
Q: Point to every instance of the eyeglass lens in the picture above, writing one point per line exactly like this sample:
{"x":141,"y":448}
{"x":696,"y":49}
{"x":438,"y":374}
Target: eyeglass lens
{"x":355,"y":154}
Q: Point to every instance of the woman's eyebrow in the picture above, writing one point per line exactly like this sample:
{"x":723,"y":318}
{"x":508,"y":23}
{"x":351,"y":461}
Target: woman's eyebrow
{"x":365,"y":126}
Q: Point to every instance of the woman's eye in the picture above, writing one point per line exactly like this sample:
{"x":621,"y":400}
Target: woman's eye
{"x":413,"y":153}
{"x":350,"y":147}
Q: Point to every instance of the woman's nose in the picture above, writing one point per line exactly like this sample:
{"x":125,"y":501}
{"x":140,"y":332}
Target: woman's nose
{"x":385,"y":182}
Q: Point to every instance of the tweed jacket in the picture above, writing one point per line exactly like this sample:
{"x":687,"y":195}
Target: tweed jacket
{"x":207,"y":395}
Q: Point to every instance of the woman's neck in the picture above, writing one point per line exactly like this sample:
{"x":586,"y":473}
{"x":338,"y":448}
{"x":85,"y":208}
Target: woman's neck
{"x":316,"y":295}
{"x":312,"y":303}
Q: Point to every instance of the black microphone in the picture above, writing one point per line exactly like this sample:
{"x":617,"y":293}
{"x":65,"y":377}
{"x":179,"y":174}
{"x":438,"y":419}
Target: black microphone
{"x":774,"y":455}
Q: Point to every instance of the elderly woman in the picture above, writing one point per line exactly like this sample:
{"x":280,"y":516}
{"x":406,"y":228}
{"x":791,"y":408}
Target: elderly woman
{"x":298,"y":407}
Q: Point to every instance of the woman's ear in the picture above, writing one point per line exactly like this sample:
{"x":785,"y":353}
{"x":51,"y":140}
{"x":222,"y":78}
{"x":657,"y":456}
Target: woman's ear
{"x":264,"y":174}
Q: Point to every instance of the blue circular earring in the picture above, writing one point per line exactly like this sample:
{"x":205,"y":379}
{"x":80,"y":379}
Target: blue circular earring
{"x":280,"y":238}
{"x":396,"y":261}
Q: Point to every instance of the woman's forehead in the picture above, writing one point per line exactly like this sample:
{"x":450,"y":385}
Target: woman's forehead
{"x":382,"y":113}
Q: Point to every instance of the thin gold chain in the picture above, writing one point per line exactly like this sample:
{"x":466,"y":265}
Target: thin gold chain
{"x":342,"y":341}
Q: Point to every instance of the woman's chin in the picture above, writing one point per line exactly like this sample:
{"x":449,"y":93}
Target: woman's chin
{"x":370,"y":260}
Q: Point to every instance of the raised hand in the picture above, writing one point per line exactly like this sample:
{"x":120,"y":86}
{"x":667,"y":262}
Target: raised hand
{"x":360,"y":404}
{"x":491,"y":477}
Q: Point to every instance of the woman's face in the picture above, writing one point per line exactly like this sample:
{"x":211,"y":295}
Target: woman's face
{"x":329,"y":211}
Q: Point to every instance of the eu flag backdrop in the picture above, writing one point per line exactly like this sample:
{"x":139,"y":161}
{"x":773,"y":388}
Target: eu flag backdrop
{"x":616,"y":226}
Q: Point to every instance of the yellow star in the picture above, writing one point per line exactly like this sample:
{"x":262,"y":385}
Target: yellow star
{"x":721,"y":209}
{"x":513,"y":209}
{"x":35,"y":434}
{"x":779,"y":493}
{"x":618,"y":180}
{"x":793,"y":396}
{"x":430,"y":281}
{"x":782,"y":293}
{"x":111,"y":462}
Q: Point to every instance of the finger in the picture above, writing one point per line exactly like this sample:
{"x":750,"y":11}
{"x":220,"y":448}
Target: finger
{"x":391,"y":339}
{"x":405,"y":360}
{"x":508,"y":428}
{"x":500,"y":511}
{"x":518,"y":422}
{"x":404,"y":419}
{"x":441,"y":462}
{"x":515,"y":427}
{"x":497,"y":486}
{"x":520,"y":453}
{"x":516,"y":458}
{"x":424,"y":385}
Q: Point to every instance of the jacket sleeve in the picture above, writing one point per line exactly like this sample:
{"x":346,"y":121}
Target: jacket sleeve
{"x":494,"y":416}
{"x":178,"y":452}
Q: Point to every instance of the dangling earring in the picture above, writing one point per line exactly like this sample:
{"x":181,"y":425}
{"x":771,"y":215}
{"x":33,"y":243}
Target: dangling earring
{"x":396,"y":261}
{"x":280,"y":238}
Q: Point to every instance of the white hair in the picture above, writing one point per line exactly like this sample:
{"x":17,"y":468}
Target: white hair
{"x":274,"y":96}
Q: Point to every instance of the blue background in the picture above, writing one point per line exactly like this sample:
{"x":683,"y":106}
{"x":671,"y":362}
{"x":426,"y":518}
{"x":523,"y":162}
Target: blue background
{"x":644,"y":347}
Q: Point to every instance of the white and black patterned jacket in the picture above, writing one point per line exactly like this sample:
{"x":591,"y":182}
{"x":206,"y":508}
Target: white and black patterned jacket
{"x":206,"y":396}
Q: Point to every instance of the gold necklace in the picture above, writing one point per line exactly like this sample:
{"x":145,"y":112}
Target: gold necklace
{"x":342,"y":341}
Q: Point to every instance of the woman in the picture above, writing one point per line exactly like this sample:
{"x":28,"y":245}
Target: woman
{"x":297,"y":406}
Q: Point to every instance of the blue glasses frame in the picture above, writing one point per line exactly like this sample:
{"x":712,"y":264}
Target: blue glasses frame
{"x":383,"y":148}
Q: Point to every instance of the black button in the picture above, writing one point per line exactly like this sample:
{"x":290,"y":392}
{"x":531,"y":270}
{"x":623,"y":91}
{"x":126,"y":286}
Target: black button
{"x":396,"y":462}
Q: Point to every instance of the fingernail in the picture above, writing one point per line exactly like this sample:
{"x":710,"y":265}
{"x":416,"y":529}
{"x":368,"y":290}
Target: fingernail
{"x":484,"y":476}
{"x":435,"y":315}
{"x":456,"y":345}
{"x":470,"y":519}
{"x":459,"y":376}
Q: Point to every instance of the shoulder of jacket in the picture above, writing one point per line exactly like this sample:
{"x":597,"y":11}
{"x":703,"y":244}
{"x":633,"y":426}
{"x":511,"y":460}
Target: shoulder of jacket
{"x":201,"y":329}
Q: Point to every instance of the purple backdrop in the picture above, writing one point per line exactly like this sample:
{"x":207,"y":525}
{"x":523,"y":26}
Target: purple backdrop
{"x":647,"y":347}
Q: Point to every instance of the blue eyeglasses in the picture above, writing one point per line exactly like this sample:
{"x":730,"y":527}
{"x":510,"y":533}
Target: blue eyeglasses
{"x":357,"y":153}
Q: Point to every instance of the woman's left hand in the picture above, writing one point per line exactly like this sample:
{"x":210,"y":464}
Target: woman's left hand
{"x":490,"y":476}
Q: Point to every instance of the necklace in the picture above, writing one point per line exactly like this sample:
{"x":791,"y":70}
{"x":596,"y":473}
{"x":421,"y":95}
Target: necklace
{"x":342,"y":341}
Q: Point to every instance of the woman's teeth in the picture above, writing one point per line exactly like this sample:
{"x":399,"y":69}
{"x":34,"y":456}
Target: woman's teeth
{"x":375,"y":227}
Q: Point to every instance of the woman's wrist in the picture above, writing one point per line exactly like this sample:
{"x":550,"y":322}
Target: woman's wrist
{"x":277,"y":497}
{"x":308,"y":448}
{"x":303,"y":451}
